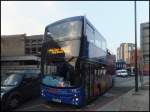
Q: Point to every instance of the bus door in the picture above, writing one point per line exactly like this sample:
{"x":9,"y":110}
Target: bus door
{"x":103,"y":79}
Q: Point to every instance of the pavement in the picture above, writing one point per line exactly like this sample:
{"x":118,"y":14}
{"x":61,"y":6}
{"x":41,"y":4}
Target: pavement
{"x":130,"y":101}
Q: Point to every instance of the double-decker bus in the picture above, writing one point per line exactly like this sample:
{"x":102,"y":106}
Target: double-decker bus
{"x":74,"y":62}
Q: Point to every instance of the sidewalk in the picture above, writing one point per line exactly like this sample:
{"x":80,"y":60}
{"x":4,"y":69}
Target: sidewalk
{"x":130,"y":101}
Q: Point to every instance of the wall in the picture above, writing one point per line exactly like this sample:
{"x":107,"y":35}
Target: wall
{"x":12,"y":45}
{"x":144,"y":44}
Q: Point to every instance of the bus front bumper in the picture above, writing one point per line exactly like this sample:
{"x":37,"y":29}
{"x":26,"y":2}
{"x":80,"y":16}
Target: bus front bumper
{"x":73,"y":99}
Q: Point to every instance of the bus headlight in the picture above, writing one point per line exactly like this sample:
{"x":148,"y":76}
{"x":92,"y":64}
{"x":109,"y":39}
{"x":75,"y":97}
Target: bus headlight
{"x":42,"y":92}
{"x":77,"y":99}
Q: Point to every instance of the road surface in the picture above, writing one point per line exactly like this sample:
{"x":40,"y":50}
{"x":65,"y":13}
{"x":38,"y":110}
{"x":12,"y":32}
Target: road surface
{"x":122,"y":85}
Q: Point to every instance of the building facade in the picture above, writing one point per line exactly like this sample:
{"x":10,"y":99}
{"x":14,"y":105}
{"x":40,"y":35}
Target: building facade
{"x":20,"y":51}
{"x":124,"y":52}
{"x":118,"y":53}
{"x":132,"y":58}
{"x":12,"y":45}
{"x":144,"y":44}
{"x":33,"y":44}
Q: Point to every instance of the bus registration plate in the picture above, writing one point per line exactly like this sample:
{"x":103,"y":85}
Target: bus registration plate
{"x":56,"y":100}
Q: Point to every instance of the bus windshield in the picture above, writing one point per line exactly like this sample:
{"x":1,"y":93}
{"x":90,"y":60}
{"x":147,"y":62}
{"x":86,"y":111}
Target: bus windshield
{"x":64,"y":30}
{"x":61,"y":74}
{"x":58,"y":63}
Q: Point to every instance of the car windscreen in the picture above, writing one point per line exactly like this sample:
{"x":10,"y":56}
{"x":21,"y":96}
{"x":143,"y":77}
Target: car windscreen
{"x":12,"y":80}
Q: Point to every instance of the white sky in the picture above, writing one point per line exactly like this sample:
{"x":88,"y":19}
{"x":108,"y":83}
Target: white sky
{"x":114,"y":20}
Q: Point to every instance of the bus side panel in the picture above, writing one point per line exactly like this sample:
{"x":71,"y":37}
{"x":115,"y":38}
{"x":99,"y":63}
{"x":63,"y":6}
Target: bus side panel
{"x":87,"y":82}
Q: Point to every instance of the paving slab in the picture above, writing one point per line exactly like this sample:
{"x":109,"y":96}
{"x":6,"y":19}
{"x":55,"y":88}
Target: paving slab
{"x":130,"y":101}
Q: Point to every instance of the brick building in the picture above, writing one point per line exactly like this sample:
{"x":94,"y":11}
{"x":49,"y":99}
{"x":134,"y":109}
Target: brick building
{"x":124,"y":52}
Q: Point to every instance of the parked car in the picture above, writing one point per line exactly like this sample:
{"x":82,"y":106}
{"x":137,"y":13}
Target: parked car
{"x":122,"y":73}
{"x":18,"y":87}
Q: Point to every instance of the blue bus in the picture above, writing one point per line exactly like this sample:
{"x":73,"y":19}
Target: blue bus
{"x":74,"y":62}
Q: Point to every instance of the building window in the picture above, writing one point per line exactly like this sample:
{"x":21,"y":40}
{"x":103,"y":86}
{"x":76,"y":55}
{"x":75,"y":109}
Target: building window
{"x":33,"y":50}
{"x":39,"y":49}
{"x":33,"y":40}
{"x":129,"y":49}
{"x":27,"y":41}
{"x":40,"y":41}
{"x":10,"y":63}
{"x":27,"y":51}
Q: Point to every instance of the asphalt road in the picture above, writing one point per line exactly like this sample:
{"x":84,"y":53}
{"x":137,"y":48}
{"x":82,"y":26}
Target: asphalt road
{"x":122,"y":85}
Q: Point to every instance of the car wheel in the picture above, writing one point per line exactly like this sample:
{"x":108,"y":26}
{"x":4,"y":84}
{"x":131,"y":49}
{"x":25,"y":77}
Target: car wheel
{"x":13,"y":102}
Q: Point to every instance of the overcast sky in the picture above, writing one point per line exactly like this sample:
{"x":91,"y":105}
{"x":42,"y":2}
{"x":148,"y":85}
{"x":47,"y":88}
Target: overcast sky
{"x":113,"y":19}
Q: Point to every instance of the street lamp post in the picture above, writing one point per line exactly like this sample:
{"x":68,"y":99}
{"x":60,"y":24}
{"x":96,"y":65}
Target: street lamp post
{"x":136,"y":71}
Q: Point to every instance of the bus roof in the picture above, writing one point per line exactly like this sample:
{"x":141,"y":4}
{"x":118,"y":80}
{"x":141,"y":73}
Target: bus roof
{"x":66,"y":19}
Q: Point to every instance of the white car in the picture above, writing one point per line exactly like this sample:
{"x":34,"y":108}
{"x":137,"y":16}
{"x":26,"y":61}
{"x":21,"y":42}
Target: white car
{"x":122,"y":73}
